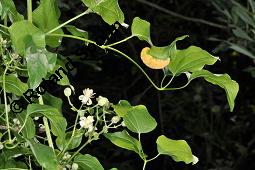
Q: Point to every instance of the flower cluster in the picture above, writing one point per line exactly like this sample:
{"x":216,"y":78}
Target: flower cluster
{"x":89,"y":119}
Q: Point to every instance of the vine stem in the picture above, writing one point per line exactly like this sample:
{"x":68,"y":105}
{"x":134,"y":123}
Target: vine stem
{"x":169,"y":82}
{"x":124,"y":55}
{"x":71,"y":138}
{"x":47,"y":128}
{"x":67,"y":22}
{"x":136,"y":64}
{"x":29,"y":11}
{"x":73,"y":37}
{"x":120,"y":41}
{"x":3,"y":26}
{"x":144,"y":164}
{"x":146,"y":161}
{"x":6,"y":108}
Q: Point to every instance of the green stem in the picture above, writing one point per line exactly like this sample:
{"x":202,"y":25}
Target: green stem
{"x":85,"y":144}
{"x":144,"y":164}
{"x":3,"y":26}
{"x":176,"y":88}
{"x":153,"y":158}
{"x":47,"y":127}
{"x":126,"y":56}
{"x":169,"y":82}
{"x":110,"y":45}
{"x":67,"y":22}
{"x":73,"y":37}
{"x":162,"y":81}
{"x":5,"y":103}
{"x":29,"y":11}
{"x":5,"y":20}
{"x":136,"y":64}
{"x":71,"y":138}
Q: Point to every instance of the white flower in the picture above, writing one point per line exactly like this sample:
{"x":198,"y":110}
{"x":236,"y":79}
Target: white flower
{"x":115,"y":119}
{"x":194,"y":159}
{"x":66,"y":156}
{"x":74,"y":166}
{"x":1,"y":146}
{"x":16,"y":121}
{"x":86,"y":97}
{"x":102,"y":101}
{"x":67,"y":92}
{"x":86,"y":122}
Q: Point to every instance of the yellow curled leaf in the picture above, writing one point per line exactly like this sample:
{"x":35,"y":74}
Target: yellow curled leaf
{"x":151,"y":61}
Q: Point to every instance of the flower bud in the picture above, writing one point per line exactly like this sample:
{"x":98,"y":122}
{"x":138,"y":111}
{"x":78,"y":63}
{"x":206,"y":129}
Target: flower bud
{"x":102,"y":101}
{"x":115,"y":119}
{"x":67,"y":92}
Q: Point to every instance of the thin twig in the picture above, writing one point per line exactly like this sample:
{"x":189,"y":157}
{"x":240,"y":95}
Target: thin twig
{"x":198,"y":20}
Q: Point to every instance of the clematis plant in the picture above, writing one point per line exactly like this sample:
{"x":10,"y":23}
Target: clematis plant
{"x":39,"y":137}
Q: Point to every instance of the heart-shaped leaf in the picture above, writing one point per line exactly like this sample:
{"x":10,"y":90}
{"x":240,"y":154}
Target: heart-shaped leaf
{"x":230,"y":86}
{"x":57,"y":121}
{"x":139,"y":120}
{"x":13,"y":85}
{"x":88,"y":162}
{"x":141,"y":29}
{"x":190,"y":60}
{"x":46,"y":17}
{"x":39,"y":62}
{"x":124,"y":140}
{"x":44,"y":155}
{"x":109,"y":10}
{"x":179,"y":150}
{"x":122,"y":108}
{"x":24,"y":34}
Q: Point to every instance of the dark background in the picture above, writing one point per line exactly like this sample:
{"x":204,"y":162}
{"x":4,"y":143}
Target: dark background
{"x":199,"y":114}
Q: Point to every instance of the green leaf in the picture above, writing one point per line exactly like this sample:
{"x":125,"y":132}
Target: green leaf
{"x":28,"y":130}
{"x":57,"y":121}
{"x":124,"y":140}
{"x":141,"y":29}
{"x":88,"y":162}
{"x":39,"y":62}
{"x":44,"y":155}
{"x":7,"y":7}
{"x":13,"y":85}
{"x":53,"y":101}
{"x":46,"y":17}
{"x":109,"y":10}
{"x":167,"y":51}
{"x":25,"y":34}
{"x":63,"y":141}
{"x":190,"y":60}
{"x":77,"y":32}
{"x":179,"y":150}
{"x":230,"y":86}
{"x":122,"y":108}
{"x":139,"y":120}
